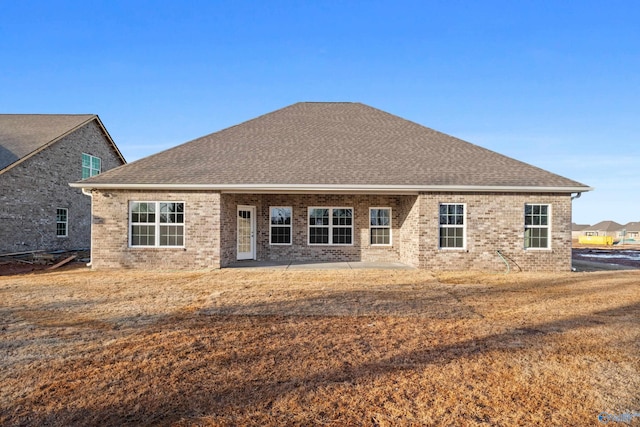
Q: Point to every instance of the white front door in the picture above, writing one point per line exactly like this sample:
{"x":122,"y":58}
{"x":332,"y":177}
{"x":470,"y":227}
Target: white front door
{"x":246,"y":232}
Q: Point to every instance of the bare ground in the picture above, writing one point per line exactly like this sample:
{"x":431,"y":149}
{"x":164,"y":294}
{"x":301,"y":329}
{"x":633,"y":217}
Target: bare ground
{"x":234,"y":347}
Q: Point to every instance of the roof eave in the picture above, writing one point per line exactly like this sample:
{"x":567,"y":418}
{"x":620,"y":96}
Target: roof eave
{"x":333,"y":189}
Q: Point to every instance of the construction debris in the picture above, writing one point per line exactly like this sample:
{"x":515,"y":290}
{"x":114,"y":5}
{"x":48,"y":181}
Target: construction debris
{"x":63,"y":262}
{"x":25,"y":262}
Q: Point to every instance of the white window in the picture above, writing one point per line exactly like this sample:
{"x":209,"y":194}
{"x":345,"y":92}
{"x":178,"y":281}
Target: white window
{"x":280,"y":225}
{"x":91,"y":165}
{"x":62,"y":222}
{"x":380,"y":226}
{"x":330,"y":226}
{"x":452,"y":226}
{"x":536,"y":226}
{"x":154,"y":224}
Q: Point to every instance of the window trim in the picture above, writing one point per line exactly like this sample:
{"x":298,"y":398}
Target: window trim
{"x":330,"y":226}
{"x":463,"y":227}
{"x":271,"y":225}
{"x":156,"y":224}
{"x":91,"y":169}
{"x":65,"y":222}
{"x":390,"y":226}
{"x":547,"y":227}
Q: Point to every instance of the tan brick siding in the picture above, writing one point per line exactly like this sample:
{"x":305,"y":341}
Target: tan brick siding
{"x":110,"y":246}
{"x":493,"y":222}
{"x":496,"y":222}
{"x":361,"y":250}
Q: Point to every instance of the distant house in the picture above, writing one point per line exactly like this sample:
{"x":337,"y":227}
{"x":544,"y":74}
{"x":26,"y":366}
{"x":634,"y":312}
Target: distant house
{"x":603,"y":229}
{"x":577,"y":230}
{"x":40,"y":154}
{"x":318,"y":182}
{"x":630,"y":232}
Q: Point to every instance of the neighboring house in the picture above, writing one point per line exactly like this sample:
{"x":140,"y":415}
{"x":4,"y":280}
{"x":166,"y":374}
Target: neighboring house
{"x":603,"y":229}
{"x":40,"y":154}
{"x":576,"y":230}
{"x":320,"y":182}
{"x":630,"y":232}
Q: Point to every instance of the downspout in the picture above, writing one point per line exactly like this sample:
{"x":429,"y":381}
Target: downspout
{"x":90,"y":194}
{"x":577,"y":196}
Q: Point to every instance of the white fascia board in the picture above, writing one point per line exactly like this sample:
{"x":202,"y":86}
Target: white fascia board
{"x":332,"y":189}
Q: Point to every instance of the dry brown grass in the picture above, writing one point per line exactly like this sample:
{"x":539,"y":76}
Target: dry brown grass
{"x":238,"y":347}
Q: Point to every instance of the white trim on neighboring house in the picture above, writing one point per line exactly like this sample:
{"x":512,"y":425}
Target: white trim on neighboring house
{"x":62,"y":223}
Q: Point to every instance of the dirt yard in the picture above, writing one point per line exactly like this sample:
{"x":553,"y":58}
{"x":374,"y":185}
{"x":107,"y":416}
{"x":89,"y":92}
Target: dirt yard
{"x":379,"y":348}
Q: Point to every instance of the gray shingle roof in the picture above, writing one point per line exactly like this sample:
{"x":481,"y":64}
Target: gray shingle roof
{"x":328,"y":144}
{"x":24,"y":134}
{"x":633,"y":226}
{"x":604,"y":226}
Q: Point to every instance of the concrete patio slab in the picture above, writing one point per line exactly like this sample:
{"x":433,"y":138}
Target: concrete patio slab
{"x":294,"y":265}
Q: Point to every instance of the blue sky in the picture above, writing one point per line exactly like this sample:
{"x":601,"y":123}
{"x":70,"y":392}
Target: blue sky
{"x":552,"y":83}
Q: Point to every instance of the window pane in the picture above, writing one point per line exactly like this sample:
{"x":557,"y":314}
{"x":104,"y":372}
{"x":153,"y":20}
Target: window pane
{"x":280,"y":216}
{"x":171,"y":213}
{"x":96,"y":163}
{"x":319,"y":235}
{"x":380,"y":236}
{"x":142,"y":212}
{"x":342,"y":216}
{"x":319,"y":217}
{"x":451,"y":237}
{"x":171,"y":235}
{"x":380,"y":217}
{"x":341,"y":236}
{"x":142,"y":235}
{"x":281,"y":235}
{"x":536,"y":238}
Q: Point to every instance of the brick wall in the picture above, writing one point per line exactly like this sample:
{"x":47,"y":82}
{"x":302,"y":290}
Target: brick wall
{"x":110,"y":246}
{"x":31,"y":191}
{"x":361,"y":250}
{"x":493,"y":222}
{"x":496,"y":222}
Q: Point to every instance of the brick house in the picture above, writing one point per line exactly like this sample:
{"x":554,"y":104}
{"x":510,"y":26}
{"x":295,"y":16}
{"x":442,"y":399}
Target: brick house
{"x":331,"y":182}
{"x":603,"y":228}
{"x":39,"y":155}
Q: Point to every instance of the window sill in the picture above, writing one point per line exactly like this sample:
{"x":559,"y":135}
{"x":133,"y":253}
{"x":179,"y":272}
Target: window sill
{"x":158,"y":247}
{"x":329,"y":244}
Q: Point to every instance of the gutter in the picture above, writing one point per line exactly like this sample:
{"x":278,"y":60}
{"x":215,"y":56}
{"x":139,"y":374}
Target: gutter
{"x":330,"y":188}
